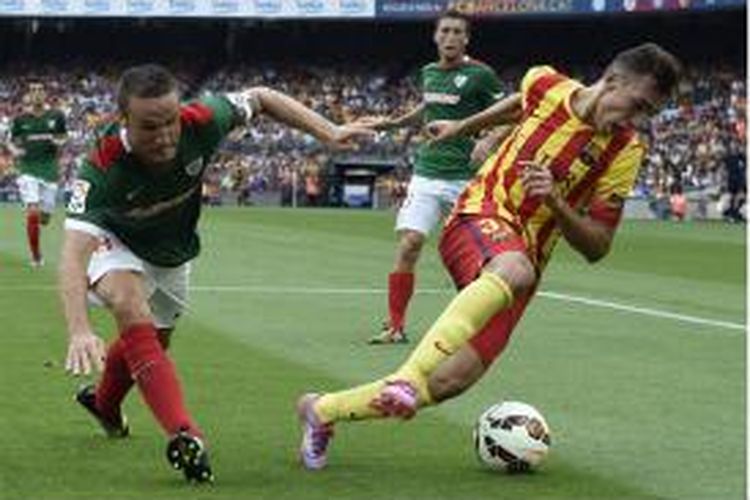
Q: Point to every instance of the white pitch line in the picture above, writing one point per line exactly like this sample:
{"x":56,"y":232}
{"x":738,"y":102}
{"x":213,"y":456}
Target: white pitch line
{"x":657,"y":313}
{"x":283,"y":290}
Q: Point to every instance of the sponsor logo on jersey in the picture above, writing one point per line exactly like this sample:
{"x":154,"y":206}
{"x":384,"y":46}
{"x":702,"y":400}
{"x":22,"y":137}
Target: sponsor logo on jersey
{"x":591,"y":154}
{"x":162,"y":206}
{"x":194,"y":167}
{"x":440,"y":98}
{"x":78,"y":193}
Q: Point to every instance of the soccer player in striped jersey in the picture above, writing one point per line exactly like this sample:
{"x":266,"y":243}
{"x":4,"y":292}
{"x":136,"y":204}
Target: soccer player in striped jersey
{"x":130,"y":236}
{"x":36,"y":136}
{"x":454,"y":87}
{"x":564,"y":171}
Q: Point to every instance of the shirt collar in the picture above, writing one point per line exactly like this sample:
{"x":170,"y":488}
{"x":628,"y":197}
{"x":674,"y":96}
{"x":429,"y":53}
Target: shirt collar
{"x":124,"y":139}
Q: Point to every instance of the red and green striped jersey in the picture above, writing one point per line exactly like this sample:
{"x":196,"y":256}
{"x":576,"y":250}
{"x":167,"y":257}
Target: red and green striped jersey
{"x":154,"y":214}
{"x":35,"y":134}
{"x":453,"y":94}
{"x":589,"y":167}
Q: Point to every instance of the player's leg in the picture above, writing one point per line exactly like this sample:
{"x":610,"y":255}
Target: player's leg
{"x":401,"y":286}
{"x":505,"y":275}
{"x":29,"y":189}
{"x":121,"y":282}
{"x":462,"y":370}
{"x":48,"y":198}
{"x":419,"y":214}
{"x":125,"y":295}
{"x":486,"y":291}
{"x":153,"y":371}
{"x":186,"y":450}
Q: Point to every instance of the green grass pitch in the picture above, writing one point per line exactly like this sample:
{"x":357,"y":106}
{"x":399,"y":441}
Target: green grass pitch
{"x":641,"y":406}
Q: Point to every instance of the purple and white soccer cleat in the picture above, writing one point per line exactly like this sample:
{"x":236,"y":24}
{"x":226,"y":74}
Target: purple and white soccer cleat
{"x":397,"y":399}
{"x":316,"y":436}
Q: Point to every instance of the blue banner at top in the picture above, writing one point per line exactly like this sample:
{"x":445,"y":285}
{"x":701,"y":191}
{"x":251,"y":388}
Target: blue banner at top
{"x":405,"y":9}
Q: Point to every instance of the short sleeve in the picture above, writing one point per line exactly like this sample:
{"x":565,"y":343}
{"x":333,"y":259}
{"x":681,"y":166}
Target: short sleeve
{"x":622,"y":173}
{"x":535,"y":83}
{"x":88,"y":196}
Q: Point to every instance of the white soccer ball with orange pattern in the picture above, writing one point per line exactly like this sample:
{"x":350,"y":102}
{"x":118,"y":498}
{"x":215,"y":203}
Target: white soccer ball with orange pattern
{"x":512,"y":436}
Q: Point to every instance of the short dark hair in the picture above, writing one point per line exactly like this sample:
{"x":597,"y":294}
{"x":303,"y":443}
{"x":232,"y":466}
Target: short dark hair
{"x":649,"y":59}
{"x":455,"y":14}
{"x":147,"y":80}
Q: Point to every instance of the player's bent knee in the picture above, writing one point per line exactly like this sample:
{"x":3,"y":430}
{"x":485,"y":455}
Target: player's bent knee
{"x":515,"y":269}
{"x":130,"y":311}
{"x":410,"y":246}
{"x":123,"y":294}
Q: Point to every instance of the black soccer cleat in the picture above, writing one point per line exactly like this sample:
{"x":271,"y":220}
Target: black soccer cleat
{"x":86,"y":397}
{"x":188,"y":454}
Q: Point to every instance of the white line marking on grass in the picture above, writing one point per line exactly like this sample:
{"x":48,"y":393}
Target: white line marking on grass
{"x":282,"y":290}
{"x":657,"y":313}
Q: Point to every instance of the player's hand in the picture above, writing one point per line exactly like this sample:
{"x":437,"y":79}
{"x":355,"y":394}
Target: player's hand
{"x":85,"y":352}
{"x":483,"y":149}
{"x":538,"y":182}
{"x":441,"y":130}
{"x":345,"y":137}
{"x":371,"y":122}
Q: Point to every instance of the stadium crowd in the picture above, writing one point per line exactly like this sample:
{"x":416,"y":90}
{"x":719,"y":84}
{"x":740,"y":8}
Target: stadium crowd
{"x":697,"y":144}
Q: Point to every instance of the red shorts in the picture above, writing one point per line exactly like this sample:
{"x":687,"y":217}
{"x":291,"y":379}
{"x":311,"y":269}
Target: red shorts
{"x":466,"y":245}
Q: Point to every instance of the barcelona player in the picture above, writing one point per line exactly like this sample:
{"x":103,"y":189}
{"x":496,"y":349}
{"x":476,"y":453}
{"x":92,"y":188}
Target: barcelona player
{"x":564,"y":171}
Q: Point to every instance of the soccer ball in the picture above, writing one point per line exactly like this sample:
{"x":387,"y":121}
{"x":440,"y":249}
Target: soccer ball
{"x":511,"y":436}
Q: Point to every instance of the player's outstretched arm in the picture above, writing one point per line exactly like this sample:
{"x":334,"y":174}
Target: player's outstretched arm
{"x":504,"y":112}
{"x":380,"y":123}
{"x":291,"y":112}
{"x":85,"y":349}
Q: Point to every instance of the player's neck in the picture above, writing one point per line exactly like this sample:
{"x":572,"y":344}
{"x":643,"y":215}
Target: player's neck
{"x":583,"y":103}
{"x":454,"y":62}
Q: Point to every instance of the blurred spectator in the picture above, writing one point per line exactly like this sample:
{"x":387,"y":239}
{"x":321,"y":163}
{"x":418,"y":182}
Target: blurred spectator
{"x":678,"y":203}
{"x":698,"y":142}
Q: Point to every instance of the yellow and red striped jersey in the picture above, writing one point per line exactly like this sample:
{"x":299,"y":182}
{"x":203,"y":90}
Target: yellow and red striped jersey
{"x":589,"y":167}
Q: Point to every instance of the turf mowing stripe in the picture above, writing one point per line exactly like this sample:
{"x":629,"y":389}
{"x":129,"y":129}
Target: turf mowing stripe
{"x":646,"y":311}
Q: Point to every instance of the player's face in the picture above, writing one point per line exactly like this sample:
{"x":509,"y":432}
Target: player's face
{"x":36,"y":94}
{"x":451,"y":38}
{"x":153,"y":125}
{"x":627,"y":101}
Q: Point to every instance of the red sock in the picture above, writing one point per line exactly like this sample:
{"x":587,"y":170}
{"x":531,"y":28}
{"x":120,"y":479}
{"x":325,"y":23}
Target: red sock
{"x":156,"y":377}
{"x":32,"y":233}
{"x":400,"y":290}
{"x":115,"y":383}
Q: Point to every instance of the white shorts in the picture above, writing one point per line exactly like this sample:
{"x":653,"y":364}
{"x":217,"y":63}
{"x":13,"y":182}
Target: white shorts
{"x":34,"y":190}
{"x":427,"y":202}
{"x":166,"y":287}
